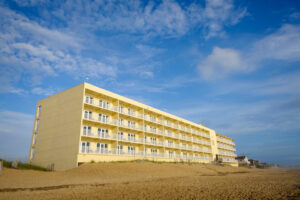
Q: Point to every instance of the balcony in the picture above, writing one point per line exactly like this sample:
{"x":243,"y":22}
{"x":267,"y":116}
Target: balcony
{"x":110,"y":122}
{"x":109,"y":108}
{"x":137,"y":128}
{"x":101,"y":136}
{"x":227,"y":147}
{"x":131,"y":114}
{"x":225,"y":141}
{"x":113,"y":151}
{"x":224,"y":153}
{"x":203,"y":142}
{"x":131,"y":140}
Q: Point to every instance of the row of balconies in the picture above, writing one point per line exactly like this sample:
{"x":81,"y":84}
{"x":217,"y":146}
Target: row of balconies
{"x":188,"y":139}
{"x":224,"y":140}
{"x":156,"y":131}
{"x":154,"y":120}
{"x":226,"y":153}
{"x":142,"y":153}
{"x":143,"y":141}
{"x":223,"y":146}
{"x":228,"y":159}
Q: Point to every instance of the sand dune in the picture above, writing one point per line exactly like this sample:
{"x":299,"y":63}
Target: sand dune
{"x":151,"y":181}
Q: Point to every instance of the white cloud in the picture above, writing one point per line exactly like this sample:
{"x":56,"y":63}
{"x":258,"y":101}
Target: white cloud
{"x":284,"y":44}
{"x":167,"y":18}
{"x":246,"y":118}
{"x":271,"y":105}
{"x":31,"y":52}
{"x":283,"y":85}
{"x":44,"y":91}
{"x":149,"y":51}
{"x":220,"y":63}
{"x":215,"y":16}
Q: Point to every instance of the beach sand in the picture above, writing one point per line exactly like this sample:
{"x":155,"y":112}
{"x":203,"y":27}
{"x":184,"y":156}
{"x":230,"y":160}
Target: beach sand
{"x":145,"y":180}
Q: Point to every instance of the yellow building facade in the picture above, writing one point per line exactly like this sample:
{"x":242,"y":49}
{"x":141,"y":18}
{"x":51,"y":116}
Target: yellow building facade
{"x":86,"y":123}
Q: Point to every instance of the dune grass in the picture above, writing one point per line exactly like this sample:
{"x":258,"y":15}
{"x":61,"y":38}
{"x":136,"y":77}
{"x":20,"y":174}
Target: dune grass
{"x":8,"y":164}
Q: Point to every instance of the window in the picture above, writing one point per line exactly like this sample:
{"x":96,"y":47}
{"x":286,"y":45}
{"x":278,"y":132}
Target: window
{"x":103,"y":104}
{"x":85,"y":147}
{"x":34,"y":139}
{"x":152,"y":118}
{"x":131,"y":124}
{"x":103,"y":118}
{"x":146,"y":139}
{"x":131,"y":112}
{"x":121,"y":122}
{"x":170,"y":143}
{"x":131,"y":137}
{"x":184,"y":155}
{"x":86,"y":130}
{"x":32,"y":153}
{"x":87,"y":114}
{"x":120,"y":149}
{"x":102,"y":148}
{"x":39,"y":111}
{"x":169,"y":133}
{"x":145,"y":127}
{"x":170,"y":154}
{"x":153,"y":140}
{"x":37,"y":124}
{"x":131,"y":150}
{"x":153,"y":129}
{"x":183,"y":136}
{"x":121,"y":109}
{"x":89,"y":100}
{"x":153,"y":152}
{"x":103,"y":133}
{"x":120,"y":135}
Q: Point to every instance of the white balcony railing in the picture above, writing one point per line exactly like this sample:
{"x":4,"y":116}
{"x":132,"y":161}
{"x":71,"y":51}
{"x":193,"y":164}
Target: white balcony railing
{"x":113,"y":151}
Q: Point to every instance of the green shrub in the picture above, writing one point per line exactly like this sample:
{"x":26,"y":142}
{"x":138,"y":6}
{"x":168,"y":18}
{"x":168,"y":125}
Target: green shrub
{"x":21,"y":165}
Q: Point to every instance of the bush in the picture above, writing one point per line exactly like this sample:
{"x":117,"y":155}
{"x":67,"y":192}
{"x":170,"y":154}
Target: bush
{"x":21,"y":165}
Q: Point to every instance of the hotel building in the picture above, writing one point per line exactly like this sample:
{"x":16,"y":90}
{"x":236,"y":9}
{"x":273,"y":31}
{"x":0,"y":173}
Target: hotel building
{"x":86,"y":123}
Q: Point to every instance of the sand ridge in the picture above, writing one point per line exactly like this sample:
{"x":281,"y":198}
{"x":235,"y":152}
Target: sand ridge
{"x":151,"y":181}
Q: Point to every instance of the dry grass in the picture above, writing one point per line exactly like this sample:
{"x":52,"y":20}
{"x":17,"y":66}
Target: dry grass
{"x":151,"y":181}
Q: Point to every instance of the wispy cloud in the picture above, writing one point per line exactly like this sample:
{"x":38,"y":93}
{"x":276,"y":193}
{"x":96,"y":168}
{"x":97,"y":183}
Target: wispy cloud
{"x":220,"y":63}
{"x":268,"y":105}
{"x":44,"y":91}
{"x":31,"y":50}
{"x":167,"y":18}
{"x":216,"y":15}
{"x":283,"y":45}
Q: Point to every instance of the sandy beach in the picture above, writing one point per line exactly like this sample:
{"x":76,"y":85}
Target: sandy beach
{"x":151,"y":181}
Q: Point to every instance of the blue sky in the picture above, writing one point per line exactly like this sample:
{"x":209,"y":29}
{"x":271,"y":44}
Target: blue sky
{"x":230,"y":65}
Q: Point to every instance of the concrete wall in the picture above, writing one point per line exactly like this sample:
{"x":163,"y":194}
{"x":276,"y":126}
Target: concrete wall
{"x":58,"y":132}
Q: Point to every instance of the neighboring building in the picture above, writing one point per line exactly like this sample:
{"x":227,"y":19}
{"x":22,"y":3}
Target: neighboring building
{"x":254,"y":163}
{"x":242,"y":160}
{"x":86,"y":123}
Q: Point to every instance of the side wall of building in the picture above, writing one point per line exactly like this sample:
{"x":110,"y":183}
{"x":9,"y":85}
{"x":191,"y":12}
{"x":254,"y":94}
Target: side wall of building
{"x":57,"y":129}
